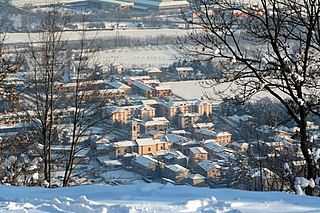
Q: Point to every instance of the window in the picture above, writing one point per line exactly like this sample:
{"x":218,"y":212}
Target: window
{"x":149,"y":149}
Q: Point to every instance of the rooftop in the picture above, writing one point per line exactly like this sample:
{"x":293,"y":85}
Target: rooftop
{"x":208,"y":165}
{"x":198,"y":150}
{"x":145,"y":160}
{"x":176,"y":168}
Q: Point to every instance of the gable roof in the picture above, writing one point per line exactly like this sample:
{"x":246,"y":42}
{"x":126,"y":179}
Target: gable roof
{"x":198,"y":150}
{"x":208,"y":165}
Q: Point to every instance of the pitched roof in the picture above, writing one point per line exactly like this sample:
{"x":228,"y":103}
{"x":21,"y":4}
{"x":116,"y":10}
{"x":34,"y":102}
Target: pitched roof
{"x":208,"y":165}
{"x":198,"y":150}
{"x":176,"y":168}
{"x":145,"y":160}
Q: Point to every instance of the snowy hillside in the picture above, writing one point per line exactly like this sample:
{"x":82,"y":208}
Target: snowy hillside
{"x":150,"y":198}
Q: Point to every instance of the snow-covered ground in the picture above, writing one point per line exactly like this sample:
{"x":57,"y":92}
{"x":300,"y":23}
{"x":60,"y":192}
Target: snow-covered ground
{"x":140,"y":57}
{"x":134,"y":33}
{"x":193,"y":89}
{"x":150,"y":198}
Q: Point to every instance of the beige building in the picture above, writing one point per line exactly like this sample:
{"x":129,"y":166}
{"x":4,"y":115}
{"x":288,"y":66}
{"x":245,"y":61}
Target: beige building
{"x":146,"y":112}
{"x":197,"y":154}
{"x":120,"y":114}
{"x":172,"y":108}
{"x":141,"y":146}
{"x":160,"y":91}
{"x":184,"y":71}
{"x":175,"y":172}
{"x":209,"y":169}
{"x":187,"y":120}
{"x":118,"y":85}
{"x":147,"y":146}
{"x":196,"y":180}
{"x":224,"y":137}
{"x":156,"y":123}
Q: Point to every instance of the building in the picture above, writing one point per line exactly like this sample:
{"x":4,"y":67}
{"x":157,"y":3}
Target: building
{"x":130,"y":80}
{"x":197,"y":154}
{"x":120,"y":148}
{"x":147,"y":146}
{"x":141,"y":146}
{"x":120,"y":114}
{"x":135,"y":129}
{"x":156,"y":123}
{"x":141,"y":88}
{"x":175,"y":157}
{"x":204,"y":126}
{"x":204,"y":134}
{"x":120,"y":86}
{"x":184,"y":72}
{"x":146,"y":112}
{"x":154,"y":72}
{"x":187,"y":120}
{"x":196,"y":180}
{"x":219,"y":152}
{"x":172,"y":108}
{"x":176,"y":173}
{"x":160,"y":91}
{"x":145,"y":165}
{"x":159,"y":4}
{"x":209,"y":169}
{"x":224,"y":137}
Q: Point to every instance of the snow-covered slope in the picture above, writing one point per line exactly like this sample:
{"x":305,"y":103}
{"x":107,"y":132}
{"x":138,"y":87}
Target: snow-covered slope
{"x":150,"y":198}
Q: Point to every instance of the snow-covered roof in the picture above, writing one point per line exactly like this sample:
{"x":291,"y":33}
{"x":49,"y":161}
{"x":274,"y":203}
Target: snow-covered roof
{"x":214,"y":147}
{"x":221,"y":134}
{"x":266,"y":173}
{"x":151,"y":81}
{"x":145,"y":141}
{"x":119,"y":85}
{"x":141,"y":86}
{"x":106,"y":161}
{"x":175,"y":154}
{"x":146,"y":107}
{"x":123,"y":144}
{"x":198,"y":150}
{"x":177,"y":103}
{"x":179,"y":69}
{"x":190,"y":114}
{"x":163,"y":88}
{"x":145,"y":160}
{"x":207,"y":165}
{"x":196,"y":177}
{"x":180,"y":3}
{"x":153,"y":70}
{"x":209,"y":133}
{"x":173,"y":138}
{"x":203,"y":125}
{"x":149,"y":102}
{"x":156,"y":122}
{"x":176,"y":168}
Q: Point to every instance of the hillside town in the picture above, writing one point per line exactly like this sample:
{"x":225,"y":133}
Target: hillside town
{"x":122,"y":118}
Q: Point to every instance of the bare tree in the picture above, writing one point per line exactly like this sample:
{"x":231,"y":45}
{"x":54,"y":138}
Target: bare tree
{"x":47,"y":65}
{"x":271,"y":47}
{"x":87,"y":100}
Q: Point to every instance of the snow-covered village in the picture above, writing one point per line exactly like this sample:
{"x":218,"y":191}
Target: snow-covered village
{"x":159,"y":106}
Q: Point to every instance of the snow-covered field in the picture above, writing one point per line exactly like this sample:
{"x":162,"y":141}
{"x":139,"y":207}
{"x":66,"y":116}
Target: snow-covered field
{"x":193,"y":89}
{"x":140,"y":57}
{"x":134,"y":33}
{"x":150,"y":198}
